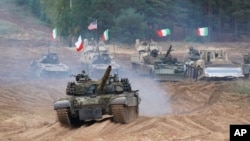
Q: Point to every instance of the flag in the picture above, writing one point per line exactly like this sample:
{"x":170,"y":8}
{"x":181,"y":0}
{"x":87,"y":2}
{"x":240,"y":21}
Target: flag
{"x":105,"y":35}
{"x":163,"y":32}
{"x":93,"y":25}
{"x":54,"y":33}
{"x":202,"y":31}
{"x":79,"y":44}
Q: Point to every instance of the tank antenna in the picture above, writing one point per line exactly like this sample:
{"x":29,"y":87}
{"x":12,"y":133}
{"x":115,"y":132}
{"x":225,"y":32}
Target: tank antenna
{"x":115,"y":58}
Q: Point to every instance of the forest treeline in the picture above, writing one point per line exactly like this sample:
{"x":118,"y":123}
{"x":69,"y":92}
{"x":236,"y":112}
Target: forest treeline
{"x":131,"y":19}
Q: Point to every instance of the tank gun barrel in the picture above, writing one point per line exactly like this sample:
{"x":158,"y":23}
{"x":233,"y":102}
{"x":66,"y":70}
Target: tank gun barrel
{"x":169,"y":50}
{"x":104,"y":79}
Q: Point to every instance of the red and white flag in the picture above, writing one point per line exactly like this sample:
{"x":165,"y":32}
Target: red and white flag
{"x":93,"y":25}
{"x":79,"y":44}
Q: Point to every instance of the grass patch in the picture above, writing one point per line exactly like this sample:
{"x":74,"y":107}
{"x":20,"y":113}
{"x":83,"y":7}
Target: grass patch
{"x":241,"y":86}
{"x":5,"y":115}
{"x":7,"y":28}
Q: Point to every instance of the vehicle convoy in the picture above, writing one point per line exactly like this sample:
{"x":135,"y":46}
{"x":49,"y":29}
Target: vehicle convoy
{"x":49,"y":66}
{"x":211,"y":65}
{"x":150,"y":61}
{"x":95,"y":59}
{"x":246,"y":65}
{"x":90,"y":100}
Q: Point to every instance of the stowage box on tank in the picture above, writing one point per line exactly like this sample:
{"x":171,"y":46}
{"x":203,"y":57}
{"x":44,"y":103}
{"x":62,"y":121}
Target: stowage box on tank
{"x":90,"y":100}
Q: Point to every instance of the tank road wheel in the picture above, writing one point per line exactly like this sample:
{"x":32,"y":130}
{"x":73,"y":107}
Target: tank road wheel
{"x":124,"y":114}
{"x":65,"y":119}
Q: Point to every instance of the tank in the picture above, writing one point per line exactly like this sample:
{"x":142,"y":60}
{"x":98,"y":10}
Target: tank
{"x":49,"y":65}
{"x":96,"y":58}
{"x":168,"y":68}
{"x":89,"y":99}
{"x":213,"y":65}
{"x":150,"y":61}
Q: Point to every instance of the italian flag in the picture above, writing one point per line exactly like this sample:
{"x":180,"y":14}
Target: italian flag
{"x":79,"y":44}
{"x":163,"y":32}
{"x":105,"y":35}
{"x":54,"y":33}
{"x":203,"y":31}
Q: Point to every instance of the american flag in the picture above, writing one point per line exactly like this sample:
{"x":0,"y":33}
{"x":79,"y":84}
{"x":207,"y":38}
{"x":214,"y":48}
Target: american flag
{"x":93,"y":25}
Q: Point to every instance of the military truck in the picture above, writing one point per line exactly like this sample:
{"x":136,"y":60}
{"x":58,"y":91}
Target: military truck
{"x":49,"y":65}
{"x":150,"y":61}
{"x":90,"y":100}
{"x":212,"y":65}
{"x":96,"y":58}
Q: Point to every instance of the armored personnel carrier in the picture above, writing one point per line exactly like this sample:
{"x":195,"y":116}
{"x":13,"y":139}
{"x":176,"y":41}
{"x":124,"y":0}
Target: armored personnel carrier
{"x":150,"y":61}
{"x":95,"y":59}
{"x":90,"y":100}
{"x":212,"y":65}
{"x":49,"y":66}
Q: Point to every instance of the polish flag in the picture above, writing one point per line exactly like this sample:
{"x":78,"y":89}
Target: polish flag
{"x":79,"y":44}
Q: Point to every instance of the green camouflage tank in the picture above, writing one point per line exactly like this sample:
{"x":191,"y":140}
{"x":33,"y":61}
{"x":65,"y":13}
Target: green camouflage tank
{"x":89,"y":99}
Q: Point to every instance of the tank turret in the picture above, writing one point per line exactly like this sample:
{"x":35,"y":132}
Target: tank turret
{"x":49,"y":66}
{"x":168,"y":58}
{"x":104,"y":80}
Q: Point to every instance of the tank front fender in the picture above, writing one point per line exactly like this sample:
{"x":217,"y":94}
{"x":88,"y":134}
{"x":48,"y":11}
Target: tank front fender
{"x":61,"y":104}
{"x":120,"y":100}
{"x":130,"y":101}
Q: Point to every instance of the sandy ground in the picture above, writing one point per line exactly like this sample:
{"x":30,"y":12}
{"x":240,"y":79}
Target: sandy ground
{"x":188,"y":111}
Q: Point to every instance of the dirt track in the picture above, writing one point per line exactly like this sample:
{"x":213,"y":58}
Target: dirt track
{"x":169,"y":111}
{"x":196,"y":111}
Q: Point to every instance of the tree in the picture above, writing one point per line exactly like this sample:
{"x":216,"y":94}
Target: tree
{"x":129,"y":26}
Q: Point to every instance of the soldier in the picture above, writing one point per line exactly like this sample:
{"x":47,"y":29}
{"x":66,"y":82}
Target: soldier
{"x":82,"y":76}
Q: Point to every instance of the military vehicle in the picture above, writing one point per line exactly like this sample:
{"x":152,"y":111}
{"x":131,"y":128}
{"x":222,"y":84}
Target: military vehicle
{"x":212,"y":65}
{"x":168,"y":68}
{"x":150,"y":61}
{"x":246,"y":65}
{"x":95,"y":59}
{"x":49,"y":66}
{"x":90,"y":100}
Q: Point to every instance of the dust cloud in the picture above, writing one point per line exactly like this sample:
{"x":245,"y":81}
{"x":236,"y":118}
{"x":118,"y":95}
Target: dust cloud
{"x":154,"y":100}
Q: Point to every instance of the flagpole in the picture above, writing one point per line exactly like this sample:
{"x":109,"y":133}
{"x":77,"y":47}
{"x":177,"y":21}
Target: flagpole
{"x":115,"y":57}
{"x":97,"y":39}
{"x":49,"y":48}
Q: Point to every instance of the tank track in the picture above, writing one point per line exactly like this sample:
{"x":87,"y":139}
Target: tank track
{"x":63,"y":117}
{"x":122,"y":114}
